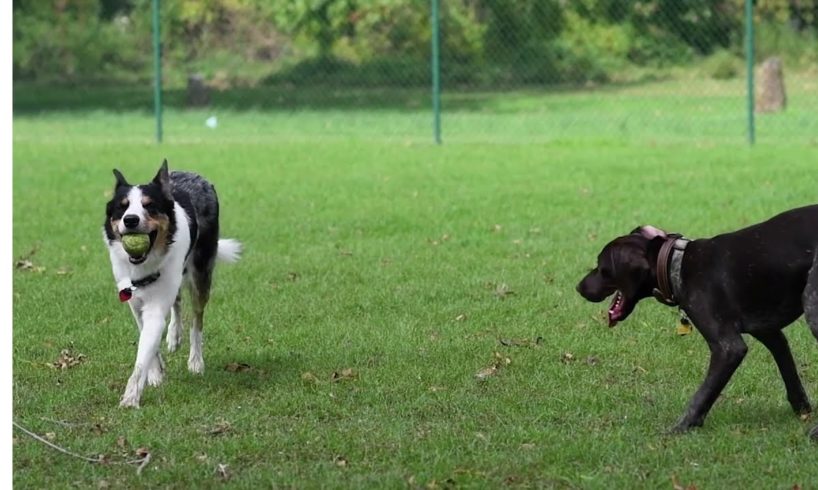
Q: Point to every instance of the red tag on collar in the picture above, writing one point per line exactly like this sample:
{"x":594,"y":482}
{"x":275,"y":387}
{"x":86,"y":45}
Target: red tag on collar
{"x":125,"y":294}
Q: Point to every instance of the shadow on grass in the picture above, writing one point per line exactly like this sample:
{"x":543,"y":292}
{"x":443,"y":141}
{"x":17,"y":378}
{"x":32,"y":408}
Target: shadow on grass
{"x":30,"y":98}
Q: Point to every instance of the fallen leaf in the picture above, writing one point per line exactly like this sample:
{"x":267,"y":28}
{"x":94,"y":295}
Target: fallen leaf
{"x":68,"y":359}
{"x":201,"y":457}
{"x":804,"y":417}
{"x":308,"y":377}
{"x":683,"y":329}
{"x":221,"y":427}
{"x":567,"y":357}
{"x":679,"y":486}
{"x":460,"y":317}
{"x":341,"y":461}
{"x":50,"y":436}
{"x":24,"y":264}
{"x":502,"y":291}
{"x":237,"y":367}
{"x":344,"y":375}
{"x":499,"y":361}
{"x":486,"y":373}
{"x":223,"y":471}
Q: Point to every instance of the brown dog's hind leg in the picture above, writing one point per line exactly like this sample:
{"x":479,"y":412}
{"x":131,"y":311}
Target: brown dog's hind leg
{"x":810,"y":298}
{"x":778,"y":346}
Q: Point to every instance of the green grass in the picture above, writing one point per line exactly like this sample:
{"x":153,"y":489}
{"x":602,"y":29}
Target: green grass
{"x":364,"y":244}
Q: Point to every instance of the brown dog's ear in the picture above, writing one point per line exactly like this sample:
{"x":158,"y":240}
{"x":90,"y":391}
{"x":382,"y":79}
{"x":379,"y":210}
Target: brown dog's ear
{"x":163,"y":179}
{"x":650,"y":232}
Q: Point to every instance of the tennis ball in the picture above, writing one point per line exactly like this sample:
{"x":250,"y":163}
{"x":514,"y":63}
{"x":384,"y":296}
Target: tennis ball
{"x":136,"y":244}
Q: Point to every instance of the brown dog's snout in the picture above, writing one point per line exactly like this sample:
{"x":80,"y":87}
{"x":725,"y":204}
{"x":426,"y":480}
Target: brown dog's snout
{"x":593,"y":288}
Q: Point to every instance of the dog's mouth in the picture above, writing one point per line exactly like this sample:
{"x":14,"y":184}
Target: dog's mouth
{"x":138,"y":259}
{"x":617,"y":312}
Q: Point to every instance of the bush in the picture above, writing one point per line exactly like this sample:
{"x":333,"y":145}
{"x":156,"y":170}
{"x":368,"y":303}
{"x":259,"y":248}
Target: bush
{"x":722,"y":65}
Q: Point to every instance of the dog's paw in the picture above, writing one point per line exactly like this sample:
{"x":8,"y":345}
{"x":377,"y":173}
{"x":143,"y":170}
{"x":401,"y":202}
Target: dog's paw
{"x":682,"y":427}
{"x":801,"y":407}
{"x":155,"y":375}
{"x":129,"y":401}
{"x":174,"y":337}
{"x":195,"y":364}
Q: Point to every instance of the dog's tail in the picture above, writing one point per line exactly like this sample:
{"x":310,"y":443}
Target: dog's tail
{"x":229,"y":250}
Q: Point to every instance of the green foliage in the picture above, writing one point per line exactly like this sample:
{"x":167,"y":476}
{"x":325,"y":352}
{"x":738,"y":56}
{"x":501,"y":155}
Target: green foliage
{"x":722,"y":65}
{"x":386,"y":42}
{"x":70,"y":42}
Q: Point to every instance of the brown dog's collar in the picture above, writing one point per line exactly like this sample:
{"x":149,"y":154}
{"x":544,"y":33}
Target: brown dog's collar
{"x":668,"y":267}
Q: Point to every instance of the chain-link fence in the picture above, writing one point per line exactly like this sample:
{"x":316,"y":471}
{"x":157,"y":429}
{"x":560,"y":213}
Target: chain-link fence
{"x":511,"y":70}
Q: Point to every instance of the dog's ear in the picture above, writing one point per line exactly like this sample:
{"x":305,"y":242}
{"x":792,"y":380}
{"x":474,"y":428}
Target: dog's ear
{"x":120,"y":179}
{"x":650,"y":232}
{"x":162,"y":179}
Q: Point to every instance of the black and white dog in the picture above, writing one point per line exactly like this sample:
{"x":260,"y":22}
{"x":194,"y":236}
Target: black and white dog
{"x":180,"y":213}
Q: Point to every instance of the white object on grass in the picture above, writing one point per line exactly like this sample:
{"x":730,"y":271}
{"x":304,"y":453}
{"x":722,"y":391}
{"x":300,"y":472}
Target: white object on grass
{"x":212,"y":122}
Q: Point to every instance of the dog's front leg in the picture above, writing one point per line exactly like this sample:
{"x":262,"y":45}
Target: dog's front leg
{"x":727,"y":350}
{"x":150,"y":338}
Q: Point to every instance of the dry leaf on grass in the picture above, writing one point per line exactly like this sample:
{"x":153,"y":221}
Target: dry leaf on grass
{"x":486,"y":373}
{"x":679,"y":486}
{"x":460,"y":317}
{"x":68,"y":359}
{"x":502,"y":291}
{"x":567,"y":357}
{"x":221,"y":427}
{"x":309,"y":378}
{"x":238,"y":367}
{"x":499,"y":361}
{"x":347,"y":374}
{"x":223,"y":471}
{"x":341,"y":461}
{"x":683,"y":329}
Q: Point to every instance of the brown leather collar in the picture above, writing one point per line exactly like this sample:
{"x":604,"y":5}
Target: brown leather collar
{"x":664,"y":293}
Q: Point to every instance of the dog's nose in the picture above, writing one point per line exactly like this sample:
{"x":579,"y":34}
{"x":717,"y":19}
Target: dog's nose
{"x":131,"y":221}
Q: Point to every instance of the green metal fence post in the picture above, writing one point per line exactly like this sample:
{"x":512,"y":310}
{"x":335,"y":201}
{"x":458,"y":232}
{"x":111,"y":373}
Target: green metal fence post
{"x":436,"y":67}
{"x":749,"y":51}
{"x":157,"y":71}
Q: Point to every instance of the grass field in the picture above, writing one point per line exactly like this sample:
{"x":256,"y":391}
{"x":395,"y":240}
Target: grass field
{"x":416,"y":267}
